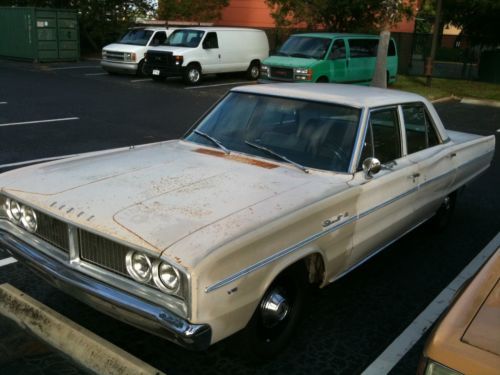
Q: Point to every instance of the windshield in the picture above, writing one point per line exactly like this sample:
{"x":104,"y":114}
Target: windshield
{"x":310,"y":134}
{"x":137,"y":37}
{"x":185,"y":38}
{"x":305,"y":47}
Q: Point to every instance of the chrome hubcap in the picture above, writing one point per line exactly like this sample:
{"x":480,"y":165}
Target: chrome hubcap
{"x":194,"y":75}
{"x":274,"y":308}
{"x":255,"y":72}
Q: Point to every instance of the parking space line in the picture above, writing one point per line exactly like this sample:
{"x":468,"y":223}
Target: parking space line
{"x":409,"y":337}
{"x":142,"y":80}
{"x":96,"y":74}
{"x":20,"y":163}
{"x":41,"y":121}
{"x":7,"y":261}
{"x":3,"y":102}
{"x":76,"y":67}
{"x":216,"y":85}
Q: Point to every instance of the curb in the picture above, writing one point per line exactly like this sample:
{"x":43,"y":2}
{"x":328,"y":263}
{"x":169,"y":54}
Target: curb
{"x":82,"y":346}
{"x":485,"y":102}
{"x":445,"y":99}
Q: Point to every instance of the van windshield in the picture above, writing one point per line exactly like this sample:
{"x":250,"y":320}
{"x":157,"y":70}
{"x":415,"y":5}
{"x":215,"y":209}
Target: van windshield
{"x":305,"y":47}
{"x":136,"y":37}
{"x":185,"y":38}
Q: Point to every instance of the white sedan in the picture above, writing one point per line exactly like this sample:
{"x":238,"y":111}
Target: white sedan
{"x":279,"y":187}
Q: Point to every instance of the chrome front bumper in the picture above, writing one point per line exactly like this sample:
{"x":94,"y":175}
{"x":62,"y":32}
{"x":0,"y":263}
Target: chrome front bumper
{"x":119,"y":66}
{"x":116,"y":303}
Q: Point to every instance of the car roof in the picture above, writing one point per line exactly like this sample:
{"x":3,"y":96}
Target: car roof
{"x":218,"y":28}
{"x":350,"y":95}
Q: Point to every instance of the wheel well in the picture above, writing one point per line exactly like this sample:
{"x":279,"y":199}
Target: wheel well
{"x":322,"y":79}
{"x":195,"y":63}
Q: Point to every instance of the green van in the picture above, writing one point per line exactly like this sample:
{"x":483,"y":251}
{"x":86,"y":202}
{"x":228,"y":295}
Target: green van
{"x":328,"y":57}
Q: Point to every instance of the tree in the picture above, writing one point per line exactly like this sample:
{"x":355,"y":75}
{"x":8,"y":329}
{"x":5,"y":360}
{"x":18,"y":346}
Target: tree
{"x":337,"y":16}
{"x":101,"y":21}
{"x":191,"y":10}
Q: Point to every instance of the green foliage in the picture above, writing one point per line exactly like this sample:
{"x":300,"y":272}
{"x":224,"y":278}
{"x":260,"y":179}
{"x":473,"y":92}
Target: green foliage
{"x":101,"y":21}
{"x":191,"y":10}
{"x":477,"y":19}
{"x":340,"y":15}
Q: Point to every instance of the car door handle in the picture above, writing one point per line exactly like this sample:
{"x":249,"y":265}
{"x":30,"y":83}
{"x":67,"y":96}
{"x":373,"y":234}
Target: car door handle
{"x":414,"y":175}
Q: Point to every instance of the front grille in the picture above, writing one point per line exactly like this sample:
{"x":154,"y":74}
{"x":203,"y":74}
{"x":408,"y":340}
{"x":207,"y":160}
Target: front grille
{"x":115,"y":56}
{"x":160,"y":59}
{"x":53,"y":231}
{"x":102,"y":252}
{"x":282,"y":73}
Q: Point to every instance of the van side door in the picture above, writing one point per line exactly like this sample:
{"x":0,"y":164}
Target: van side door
{"x":338,"y":62}
{"x":210,"y":53}
{"x":362,"y":58}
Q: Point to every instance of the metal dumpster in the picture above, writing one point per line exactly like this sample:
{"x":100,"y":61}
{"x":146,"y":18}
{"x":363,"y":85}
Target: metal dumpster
{"x":39,"y":34}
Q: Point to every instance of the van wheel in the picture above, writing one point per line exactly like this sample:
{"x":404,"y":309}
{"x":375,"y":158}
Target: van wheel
{"x":277,"y":316}
{"x":140,"y":69}
{"x":192,"y":74}
{"x":253,"y":71}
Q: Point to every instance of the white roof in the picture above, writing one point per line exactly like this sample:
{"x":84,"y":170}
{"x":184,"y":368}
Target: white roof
{"x":351,"y":95}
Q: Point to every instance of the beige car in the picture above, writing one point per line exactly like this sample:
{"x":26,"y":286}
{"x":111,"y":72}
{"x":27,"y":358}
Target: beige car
{"x":277,"y":188}
{"x":467,"y":339}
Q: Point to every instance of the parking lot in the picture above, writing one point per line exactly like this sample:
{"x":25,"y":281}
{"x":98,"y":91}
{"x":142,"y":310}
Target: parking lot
{"x":58,"y":110}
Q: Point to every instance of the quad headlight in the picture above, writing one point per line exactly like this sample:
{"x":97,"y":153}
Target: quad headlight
{"x":264,"y":71}
{"x":146,"y":270}
{"x":303,"y":74}
{"x":19,"y":214}
{"x":130,"y":56}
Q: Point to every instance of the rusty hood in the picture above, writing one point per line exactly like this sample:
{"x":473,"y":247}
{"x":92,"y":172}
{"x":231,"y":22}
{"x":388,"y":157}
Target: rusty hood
{"x":157,"y":195}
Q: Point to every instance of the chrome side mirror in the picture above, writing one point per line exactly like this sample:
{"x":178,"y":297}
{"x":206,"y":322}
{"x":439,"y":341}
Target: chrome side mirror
{"x":371,"y":166}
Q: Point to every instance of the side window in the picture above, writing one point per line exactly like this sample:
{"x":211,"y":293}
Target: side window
{"x":211,"y":41}
{"x":363,"y":47}
{"x":383,"y":140}
{"x":392,"y":48}
{"x":420,"y":134}
{"x":338,"y":50}
{"x":158,"y":38}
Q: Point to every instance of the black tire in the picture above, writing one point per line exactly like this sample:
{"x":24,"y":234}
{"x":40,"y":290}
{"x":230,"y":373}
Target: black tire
{"x":192,"y":74}
{"x":443,"y":216}
{"x":253,"y":71}
{"x":140,"y":69}
{"x":263,"y":338}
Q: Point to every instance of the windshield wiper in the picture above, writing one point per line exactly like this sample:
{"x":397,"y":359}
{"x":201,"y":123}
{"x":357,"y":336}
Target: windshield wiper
{"x":274,"y":153}
{"x":214,"y":140}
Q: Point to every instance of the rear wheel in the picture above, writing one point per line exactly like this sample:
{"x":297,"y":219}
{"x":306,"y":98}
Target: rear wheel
{"x":192,"y":74}
{"x":277,"y":316}
{"x":253,"y":71}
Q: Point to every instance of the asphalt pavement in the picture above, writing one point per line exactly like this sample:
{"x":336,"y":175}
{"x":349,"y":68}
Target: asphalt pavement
{"x":348,"y":324}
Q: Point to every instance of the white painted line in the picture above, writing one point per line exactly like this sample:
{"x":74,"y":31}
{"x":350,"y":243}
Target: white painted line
{"x":486,"y":102}
{"x":76,"y":67}
{"x":3,"y":102}
{"x":141,"y":80}
{"x":96,"y":74}
{"x":402,"y":344}
{"x":7,"y":261}
{"x":36,"y":161}
{"x":216,"y":85}
{"x":40,"y":121}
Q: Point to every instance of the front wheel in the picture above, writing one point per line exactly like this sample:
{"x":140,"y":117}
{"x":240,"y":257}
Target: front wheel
{"x":277,"y":316}
{"x":253,"y":71}
{"x":192,"y":74}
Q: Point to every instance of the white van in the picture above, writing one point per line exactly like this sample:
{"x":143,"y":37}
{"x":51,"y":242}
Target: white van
{"x":127,"y":55}
{"x":192,"y":52}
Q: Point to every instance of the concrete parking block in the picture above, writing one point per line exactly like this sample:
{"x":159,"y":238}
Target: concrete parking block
{"x":82,"y":346}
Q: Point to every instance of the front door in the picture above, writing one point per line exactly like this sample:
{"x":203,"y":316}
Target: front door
{"x":210,"y":54}
{"x":385,"y":204}
{"x":337,"y":59}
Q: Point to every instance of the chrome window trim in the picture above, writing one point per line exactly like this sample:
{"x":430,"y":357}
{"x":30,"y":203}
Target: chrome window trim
{"x":359,"y":142}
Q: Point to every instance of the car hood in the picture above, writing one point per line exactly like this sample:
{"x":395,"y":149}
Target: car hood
{"x":119,"y":47}
{"x":290,"y":62}
{"x":156,"y":195}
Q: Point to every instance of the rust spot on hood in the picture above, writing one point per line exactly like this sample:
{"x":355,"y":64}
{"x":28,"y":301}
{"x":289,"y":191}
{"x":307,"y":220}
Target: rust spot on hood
{"x":238,"y":158}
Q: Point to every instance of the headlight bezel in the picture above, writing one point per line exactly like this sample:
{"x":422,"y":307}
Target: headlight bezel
{"x":436,"y":368}
{"x":130,"y":258}
{"x":160,"y":283}
{"x":18,"y":213}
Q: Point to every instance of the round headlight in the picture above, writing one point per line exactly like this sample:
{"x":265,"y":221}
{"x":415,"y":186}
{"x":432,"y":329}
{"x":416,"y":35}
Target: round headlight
{"x":14,"y":211}
{"x":166,"y":277}
{"x":28,"y":219}
{"x":138,"y":266}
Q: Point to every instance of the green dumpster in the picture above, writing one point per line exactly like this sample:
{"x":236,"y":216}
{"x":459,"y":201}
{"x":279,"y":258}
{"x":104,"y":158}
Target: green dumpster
{"x":39,"y":34}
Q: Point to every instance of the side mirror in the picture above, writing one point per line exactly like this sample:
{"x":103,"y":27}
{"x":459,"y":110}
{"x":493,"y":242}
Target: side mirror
{"x":371,"y":166}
